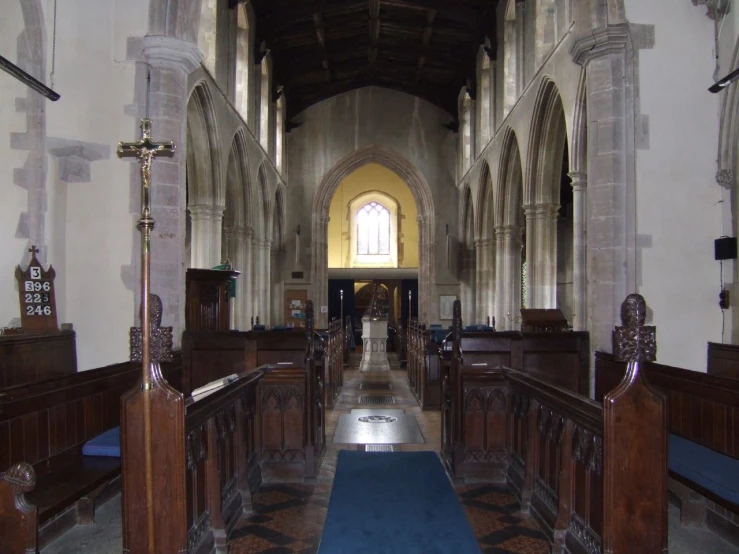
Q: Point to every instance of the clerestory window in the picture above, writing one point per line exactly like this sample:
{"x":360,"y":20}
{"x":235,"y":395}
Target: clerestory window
{"x":373,"y":230}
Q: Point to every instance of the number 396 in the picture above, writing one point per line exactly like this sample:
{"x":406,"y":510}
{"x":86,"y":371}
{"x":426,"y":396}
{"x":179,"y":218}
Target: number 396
{"x":38,"y":310}
{"x":37,"y":286}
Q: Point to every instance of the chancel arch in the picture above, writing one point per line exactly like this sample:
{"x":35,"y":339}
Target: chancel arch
{"x":468,"y":258}
{"x":510,"y":236}
{"x":543,"y":178}
{"x":205,"y":192}
{"x":419,"y":187}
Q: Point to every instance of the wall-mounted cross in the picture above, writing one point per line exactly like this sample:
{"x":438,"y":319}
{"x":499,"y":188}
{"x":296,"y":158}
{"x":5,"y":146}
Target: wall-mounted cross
{"x":33,"y":250}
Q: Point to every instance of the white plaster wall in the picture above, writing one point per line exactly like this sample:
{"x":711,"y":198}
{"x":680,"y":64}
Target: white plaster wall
{"x":14,"y":199}
{"x":678,"y":210}
{"x":338,"y":126}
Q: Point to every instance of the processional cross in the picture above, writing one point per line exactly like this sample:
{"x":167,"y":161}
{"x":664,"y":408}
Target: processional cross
{"x":146,"y":149}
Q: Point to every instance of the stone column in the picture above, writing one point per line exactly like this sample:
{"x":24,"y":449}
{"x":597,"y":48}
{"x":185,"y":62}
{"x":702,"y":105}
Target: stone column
{"x":227,"y":251}
{"x":546,"y":255}
{"x":488,"y":246}
{"x":255,"y":279}
{"x":607,"y":54}
{"x":469,"y":274}
{"x":481,"y":288}
{"x":216,"y":248}
{"x":266,"y":291}
{"x":276,"y":287}
{"x":169,"y":61}
{"x":247,"y":275}
{"x":201,"y":230}
{"x":319,"y":272}
{"x":532,"y":300}
{"x":579,"y":240}
{"x":502,"y":290}
{"x":238,"y":251}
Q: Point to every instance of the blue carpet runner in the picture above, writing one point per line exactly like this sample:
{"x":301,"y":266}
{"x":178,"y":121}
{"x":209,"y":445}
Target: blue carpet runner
{"x":394,"y":502}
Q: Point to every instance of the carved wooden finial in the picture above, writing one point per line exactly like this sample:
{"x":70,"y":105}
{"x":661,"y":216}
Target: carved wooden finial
{"x":634,"y":341}
{"x":21,"y":477}
{"x":161,"y":337}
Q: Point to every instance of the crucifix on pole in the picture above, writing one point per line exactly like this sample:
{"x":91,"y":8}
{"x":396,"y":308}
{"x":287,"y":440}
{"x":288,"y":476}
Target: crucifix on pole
{"x":146,"y":149}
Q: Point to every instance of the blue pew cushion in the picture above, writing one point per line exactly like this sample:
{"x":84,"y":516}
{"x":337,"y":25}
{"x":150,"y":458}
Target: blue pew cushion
{"x":705,"y":467}
{"x":479,"y":328}
{"x":106,"y":444}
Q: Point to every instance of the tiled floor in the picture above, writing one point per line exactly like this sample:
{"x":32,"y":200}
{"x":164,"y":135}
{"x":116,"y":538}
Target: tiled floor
{"x":288,"y":517}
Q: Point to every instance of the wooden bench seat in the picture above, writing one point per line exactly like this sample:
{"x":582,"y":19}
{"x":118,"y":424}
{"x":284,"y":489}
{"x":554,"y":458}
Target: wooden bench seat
{"x":703,"y":418}
{"x":43,"y":428}
{"x":64,"y":479}
{"x":711,"y":473}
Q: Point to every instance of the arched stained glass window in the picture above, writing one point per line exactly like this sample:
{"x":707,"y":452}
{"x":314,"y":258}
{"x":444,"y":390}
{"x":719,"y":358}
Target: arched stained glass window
{"x":373,"y":230}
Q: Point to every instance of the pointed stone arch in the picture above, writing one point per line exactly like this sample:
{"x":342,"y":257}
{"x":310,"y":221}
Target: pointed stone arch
{"x":202,"y":131}
{"x":485,"y":220}
{"x":205,"y":188}
{"x":547,"y":139}
{"x":510,"y":181}
{"x":421,"y":191}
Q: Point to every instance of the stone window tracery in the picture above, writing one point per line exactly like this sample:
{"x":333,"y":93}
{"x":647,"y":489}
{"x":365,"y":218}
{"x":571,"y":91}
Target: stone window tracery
{"x":373,"y":230}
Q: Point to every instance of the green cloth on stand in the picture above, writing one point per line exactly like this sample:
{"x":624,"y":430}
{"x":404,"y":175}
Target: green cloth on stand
{"x":226,"y":266}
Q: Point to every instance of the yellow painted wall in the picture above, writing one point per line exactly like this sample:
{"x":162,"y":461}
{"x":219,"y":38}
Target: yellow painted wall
{"x":372,"y":177}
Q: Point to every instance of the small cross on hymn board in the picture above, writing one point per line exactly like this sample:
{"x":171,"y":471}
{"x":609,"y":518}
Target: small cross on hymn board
{"x":33,"y":250}
{"x":146,"y":149}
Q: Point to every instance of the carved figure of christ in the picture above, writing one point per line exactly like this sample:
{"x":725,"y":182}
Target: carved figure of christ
{"x":146,"y":149}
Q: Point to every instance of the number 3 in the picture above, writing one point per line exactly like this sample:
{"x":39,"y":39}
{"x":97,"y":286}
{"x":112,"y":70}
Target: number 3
{"x":35,"y":273}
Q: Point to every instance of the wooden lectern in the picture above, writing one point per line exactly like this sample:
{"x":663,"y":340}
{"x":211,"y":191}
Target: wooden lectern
{"x":543,"y":321}
{"x":206,"y":305}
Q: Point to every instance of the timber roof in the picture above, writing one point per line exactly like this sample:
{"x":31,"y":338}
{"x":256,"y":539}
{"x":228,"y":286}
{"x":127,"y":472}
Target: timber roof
{"x":321,"y":48}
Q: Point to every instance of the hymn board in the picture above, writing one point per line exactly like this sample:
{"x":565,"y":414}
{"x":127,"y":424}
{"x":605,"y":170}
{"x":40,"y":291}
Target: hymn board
{"x":36,"y":291}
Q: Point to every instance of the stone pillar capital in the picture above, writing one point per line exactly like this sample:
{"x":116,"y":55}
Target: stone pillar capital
{"x":217,"y":212}
{"x":603,"y":41}
{"x":547,"y":210}
{"x":171,"y":52}
{"x":530,"y":211}
{"x":200,"y":212}
{"x":578,"y":180}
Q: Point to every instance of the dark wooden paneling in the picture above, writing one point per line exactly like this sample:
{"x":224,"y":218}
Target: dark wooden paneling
{"x":30,"y":358}
{"x":723,"y":360}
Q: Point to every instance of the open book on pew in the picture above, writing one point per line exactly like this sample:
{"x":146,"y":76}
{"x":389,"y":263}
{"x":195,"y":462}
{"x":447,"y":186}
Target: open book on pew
{"x":202,"y":392}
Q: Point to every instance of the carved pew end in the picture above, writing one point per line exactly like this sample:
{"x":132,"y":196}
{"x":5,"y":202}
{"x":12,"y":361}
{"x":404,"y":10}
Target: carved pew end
{"x":18,"y":517}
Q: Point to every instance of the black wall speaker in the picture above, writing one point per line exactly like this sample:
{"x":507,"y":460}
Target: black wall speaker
{"x":725,"y":248}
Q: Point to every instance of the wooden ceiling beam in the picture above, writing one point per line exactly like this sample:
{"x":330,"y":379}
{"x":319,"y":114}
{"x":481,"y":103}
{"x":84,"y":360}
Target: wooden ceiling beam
{"x":374,"y":32}
{"x":452,"y":10}
{"x":427,"y":32}
{"x":321,"y":38}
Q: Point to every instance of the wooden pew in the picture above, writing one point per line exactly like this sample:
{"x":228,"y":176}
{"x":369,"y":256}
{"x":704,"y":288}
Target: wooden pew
{"x":26,"y":358}
{"x":588,"y":472}
{"x":723,"y":360}
{"x":43,"y":426}
{"x":333,"y":362}
{"x":206,"y":465}
{"x":207,"y":356}
{"x":704,"y":410}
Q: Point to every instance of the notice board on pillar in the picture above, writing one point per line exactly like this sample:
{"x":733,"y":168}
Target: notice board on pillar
{"x":295,"y":301}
